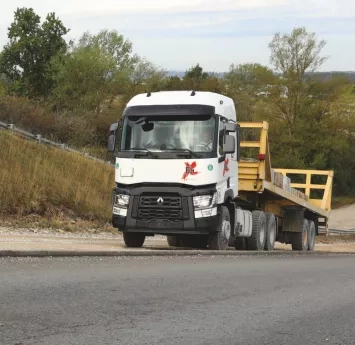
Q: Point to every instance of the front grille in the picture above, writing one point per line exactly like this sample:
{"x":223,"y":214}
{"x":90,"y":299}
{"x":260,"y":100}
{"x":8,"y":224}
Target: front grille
{"x":147,"y":214}
{"x":172,"y":208}
{"x":160,"y":202}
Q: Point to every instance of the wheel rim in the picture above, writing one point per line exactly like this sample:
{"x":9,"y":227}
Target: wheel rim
{"x":262,"y":233}
{"x":226,"y":231}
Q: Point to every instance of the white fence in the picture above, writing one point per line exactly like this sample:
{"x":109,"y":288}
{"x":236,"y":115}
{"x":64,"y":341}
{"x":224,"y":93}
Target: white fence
{"x":42,"y":140}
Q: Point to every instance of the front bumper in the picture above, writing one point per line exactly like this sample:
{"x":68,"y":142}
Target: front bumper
{"x":176,"y":215}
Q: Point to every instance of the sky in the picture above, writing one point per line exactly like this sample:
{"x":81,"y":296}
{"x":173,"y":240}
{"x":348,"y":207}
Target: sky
{"x":178,"y":34}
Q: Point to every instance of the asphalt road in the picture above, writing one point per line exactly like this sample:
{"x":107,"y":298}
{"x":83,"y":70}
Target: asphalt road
{"x":220,"y":300}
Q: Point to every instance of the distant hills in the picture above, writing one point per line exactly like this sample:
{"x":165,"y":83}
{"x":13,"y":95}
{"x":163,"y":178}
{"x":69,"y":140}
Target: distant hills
{"x":323,"y":75}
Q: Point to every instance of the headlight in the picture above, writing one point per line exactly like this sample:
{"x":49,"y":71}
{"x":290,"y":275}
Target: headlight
{"x":205,"y":201}
{"x":121,"y":200}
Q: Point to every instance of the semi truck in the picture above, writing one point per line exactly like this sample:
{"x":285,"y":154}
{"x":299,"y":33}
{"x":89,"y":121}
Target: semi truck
{"x":180,"y":173}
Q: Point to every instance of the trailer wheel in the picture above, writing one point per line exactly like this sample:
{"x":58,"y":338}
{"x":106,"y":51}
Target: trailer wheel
{"x":311,"y":236}
{"x":173,"y":241}
{"x":258,"y":236}
{"x":218,"y":240}
{"x":300,"y":239}
{"x":133,"y":240}
{"x":270,"y":231}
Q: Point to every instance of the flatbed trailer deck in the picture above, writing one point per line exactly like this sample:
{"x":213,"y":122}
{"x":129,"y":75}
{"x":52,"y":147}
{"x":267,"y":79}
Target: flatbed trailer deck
{"x":256,"y":176}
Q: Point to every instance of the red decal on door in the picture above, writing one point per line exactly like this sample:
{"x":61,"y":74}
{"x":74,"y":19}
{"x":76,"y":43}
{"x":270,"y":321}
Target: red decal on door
{"x":189,"y":170}
{"x":225,"y":169}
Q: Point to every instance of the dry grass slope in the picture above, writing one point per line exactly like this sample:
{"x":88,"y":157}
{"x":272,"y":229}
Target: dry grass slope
{"x":38,"y":179}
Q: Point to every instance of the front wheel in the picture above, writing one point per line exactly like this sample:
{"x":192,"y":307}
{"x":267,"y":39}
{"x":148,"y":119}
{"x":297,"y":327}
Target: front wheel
{"x":219,"y":239}
{"x":133,"y":240}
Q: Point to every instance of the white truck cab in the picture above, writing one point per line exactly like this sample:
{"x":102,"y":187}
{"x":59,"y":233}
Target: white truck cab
{"x":176,"y":164}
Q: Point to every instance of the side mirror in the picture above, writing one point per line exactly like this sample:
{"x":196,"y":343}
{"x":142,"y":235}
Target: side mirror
{"x":238,"y":142}
{"x":112,"y":137}
{"x":229,"y":144}
{"x":111,"y":143}
{"x":230,"y":127}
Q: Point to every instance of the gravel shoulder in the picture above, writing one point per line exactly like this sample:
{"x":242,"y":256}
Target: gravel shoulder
{"x":36,"y":238}
{"x":46,"y":239}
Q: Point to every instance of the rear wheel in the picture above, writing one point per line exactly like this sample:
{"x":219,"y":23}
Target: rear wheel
{"x":300,"y":239}
{"x":270,"y":231}
{"x":258,"y":236}
{"x":219,"y":239}
{"x":133,"y":240}
{"x":311,"y":236}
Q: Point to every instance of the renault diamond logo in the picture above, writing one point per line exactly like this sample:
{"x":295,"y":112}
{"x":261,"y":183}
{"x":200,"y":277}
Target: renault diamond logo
{"x":160,"y":200}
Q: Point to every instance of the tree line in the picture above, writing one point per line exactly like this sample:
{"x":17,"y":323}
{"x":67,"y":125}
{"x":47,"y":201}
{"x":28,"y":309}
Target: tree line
{"x":72,"y":91}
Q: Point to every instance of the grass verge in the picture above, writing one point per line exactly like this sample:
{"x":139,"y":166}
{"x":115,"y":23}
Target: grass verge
{"x":36,"y":179}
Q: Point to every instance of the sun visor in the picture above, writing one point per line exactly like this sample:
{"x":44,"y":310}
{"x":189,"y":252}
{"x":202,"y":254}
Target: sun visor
{"x":170,"y":110}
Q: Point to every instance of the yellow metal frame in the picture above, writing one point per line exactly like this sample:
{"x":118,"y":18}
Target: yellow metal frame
{"x":255,"y":175}
{"x":252,"y":173}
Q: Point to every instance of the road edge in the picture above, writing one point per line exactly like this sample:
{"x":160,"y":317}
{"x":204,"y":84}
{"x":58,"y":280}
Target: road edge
{"x":151,"y":253}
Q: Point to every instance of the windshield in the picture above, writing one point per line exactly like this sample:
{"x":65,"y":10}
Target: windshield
{"x":160,"y":134}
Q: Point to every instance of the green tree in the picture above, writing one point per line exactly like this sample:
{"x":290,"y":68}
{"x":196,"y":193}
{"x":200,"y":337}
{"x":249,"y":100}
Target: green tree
{"x":112,"y":44}
{"x":249,"y":86}
{"x":25,"y":59}
{"x":146,"y":77}
{"x":296,"y":56}
{"x":3,"y":85}
{"x":96,"y":70}
{"x":311,"y":126}
{"x":194,"y":77}
{"x":173,"y":83}
{"x":297,"y":53}
{"x":293,"y":55}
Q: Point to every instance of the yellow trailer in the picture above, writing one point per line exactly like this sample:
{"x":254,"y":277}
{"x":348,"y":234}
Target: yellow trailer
{"x":290,"y":201}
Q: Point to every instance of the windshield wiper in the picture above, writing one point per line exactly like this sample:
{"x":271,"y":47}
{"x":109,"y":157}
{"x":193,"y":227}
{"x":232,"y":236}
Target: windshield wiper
{"x":192,"y":153}
{"x":140,"y":149}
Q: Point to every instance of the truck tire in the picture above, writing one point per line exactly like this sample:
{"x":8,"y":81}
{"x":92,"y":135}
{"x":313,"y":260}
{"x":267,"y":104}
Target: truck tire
{"x":173,"y":241}
{"x":258,"y":236}
{"x":311,"y":236}
{"x":218,"y":240}
{"x":270,"y":231}
{"x":133,"y":239}
{"x":300,"y":239}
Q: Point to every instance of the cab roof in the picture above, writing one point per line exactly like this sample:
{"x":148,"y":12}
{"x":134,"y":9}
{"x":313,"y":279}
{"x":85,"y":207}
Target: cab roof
{"x":224,"y":106}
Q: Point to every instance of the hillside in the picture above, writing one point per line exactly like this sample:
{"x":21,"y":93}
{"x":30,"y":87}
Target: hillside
{"x":36,"y":179}
{"x":55,"y":184}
